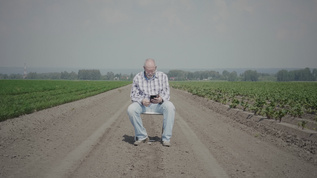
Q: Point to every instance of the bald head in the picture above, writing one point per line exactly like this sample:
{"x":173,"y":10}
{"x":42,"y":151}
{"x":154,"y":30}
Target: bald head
{"x":149,"y":63}
{"x":149,"y":67}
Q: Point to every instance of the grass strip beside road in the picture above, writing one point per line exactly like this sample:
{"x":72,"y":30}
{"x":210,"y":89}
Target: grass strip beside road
{"x":18,"y":97}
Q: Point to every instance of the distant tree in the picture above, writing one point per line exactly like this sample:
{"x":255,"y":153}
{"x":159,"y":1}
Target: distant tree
{"x":307,"y":75}
{"x":131,"y":76}
{"x":200,"y":75}
{"x":32,"y":75}
{"x":117,"y":76}
{"x":214,"y":75}
{"x":225,"y":74}
{"x":283,"y":75}
{"x":84,"y":74}
{"x":68,"y":76}
{"x":177,"y":74}
{"x":52,"y":75}
{"x":233,"y":76}
{"x":296,"y":75}
{"x":65,"y":75}
{"x":73,"y":76}
{"x":15,"y":76}
{"x":190,"y":76}
{"x":110,"y":76}
{"x":4,"y":76}
{"x":250,"y":75}
{"x":314,"y":73}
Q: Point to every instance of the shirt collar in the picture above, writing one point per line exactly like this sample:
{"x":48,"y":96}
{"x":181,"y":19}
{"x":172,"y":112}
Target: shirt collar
{"x":155,"y":76}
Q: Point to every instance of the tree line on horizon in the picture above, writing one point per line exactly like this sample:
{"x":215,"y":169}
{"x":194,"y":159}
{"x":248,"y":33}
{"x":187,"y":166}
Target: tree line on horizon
{"x":83,"y":74}
{"x":249,"y":75}
{"x":176,"y":75}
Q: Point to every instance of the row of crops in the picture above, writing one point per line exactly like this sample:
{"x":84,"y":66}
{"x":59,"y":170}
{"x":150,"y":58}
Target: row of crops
{"x":19,"y":97}
{"x":271,"y":99}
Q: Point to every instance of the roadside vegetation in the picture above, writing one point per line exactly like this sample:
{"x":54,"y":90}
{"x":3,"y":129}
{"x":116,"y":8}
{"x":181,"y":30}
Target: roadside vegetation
{"x":271,"y":99}
{"x":250,"y":90}
{"x":18,"y":97}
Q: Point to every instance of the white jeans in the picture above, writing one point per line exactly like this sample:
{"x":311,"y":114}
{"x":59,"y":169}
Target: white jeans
{"x":166,"y":108}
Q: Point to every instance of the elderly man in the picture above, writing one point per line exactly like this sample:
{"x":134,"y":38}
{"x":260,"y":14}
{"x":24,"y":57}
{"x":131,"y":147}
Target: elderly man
{"x":146,"y":84}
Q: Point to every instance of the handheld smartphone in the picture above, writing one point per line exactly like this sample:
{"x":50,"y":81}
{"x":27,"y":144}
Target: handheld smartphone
{"x":153,"y":96}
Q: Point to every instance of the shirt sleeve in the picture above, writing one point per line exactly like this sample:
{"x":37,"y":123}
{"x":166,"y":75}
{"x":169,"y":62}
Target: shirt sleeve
{"x":136,"y":94}
{"x":165,"y":90}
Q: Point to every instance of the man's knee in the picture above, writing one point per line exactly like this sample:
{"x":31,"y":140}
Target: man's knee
{"x":169,"y":105}
{"x":133,"y":108}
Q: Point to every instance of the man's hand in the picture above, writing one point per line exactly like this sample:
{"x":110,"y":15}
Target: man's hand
{"x":156,"y":100}
{"x":146,"y":102}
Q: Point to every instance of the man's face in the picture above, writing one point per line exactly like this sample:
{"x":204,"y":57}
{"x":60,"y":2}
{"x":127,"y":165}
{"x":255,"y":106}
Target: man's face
{"x":149,"y":71}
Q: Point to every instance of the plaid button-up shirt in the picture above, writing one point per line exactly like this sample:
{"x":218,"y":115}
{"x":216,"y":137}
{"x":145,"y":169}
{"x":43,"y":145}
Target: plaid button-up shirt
{"x":143,"y":87}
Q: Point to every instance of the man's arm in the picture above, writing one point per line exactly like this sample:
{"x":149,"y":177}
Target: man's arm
{"x":136,"y":95}
{"x":165,"y":90}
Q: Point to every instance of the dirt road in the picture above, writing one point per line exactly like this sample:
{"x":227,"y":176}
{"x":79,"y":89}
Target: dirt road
{"x":93,"y":137}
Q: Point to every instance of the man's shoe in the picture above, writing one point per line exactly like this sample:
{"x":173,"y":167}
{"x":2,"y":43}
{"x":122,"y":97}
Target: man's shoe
{"x":167,"y":143}
{"x":138,"y":142}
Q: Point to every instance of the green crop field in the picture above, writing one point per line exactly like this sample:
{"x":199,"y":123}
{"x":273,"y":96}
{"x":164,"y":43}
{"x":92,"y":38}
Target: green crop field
{"x":271,"y":99}
{"x":18,"y":97}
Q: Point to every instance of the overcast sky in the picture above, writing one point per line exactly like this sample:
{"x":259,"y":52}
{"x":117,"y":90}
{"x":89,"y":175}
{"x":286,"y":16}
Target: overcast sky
{"x":176,"y":33}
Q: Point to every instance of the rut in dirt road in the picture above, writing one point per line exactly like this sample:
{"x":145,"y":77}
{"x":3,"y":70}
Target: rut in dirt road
{"x":69,"y":163}
{"x":148,"y":160}
{"x":93,"y":137}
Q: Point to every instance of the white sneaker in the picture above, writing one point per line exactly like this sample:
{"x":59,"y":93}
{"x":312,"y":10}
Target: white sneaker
{"x":138,"y":142}
{"x":167,"y":143}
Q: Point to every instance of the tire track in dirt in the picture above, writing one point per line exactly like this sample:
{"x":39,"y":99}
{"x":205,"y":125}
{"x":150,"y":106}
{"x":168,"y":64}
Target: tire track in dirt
{"x":120,"y":158}
{"x":211,"y":166}
{"x":73,"y":159}
{"x":116,"y":156}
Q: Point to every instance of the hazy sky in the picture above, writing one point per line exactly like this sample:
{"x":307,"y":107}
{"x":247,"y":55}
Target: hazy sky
{"x":176,"y":33}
